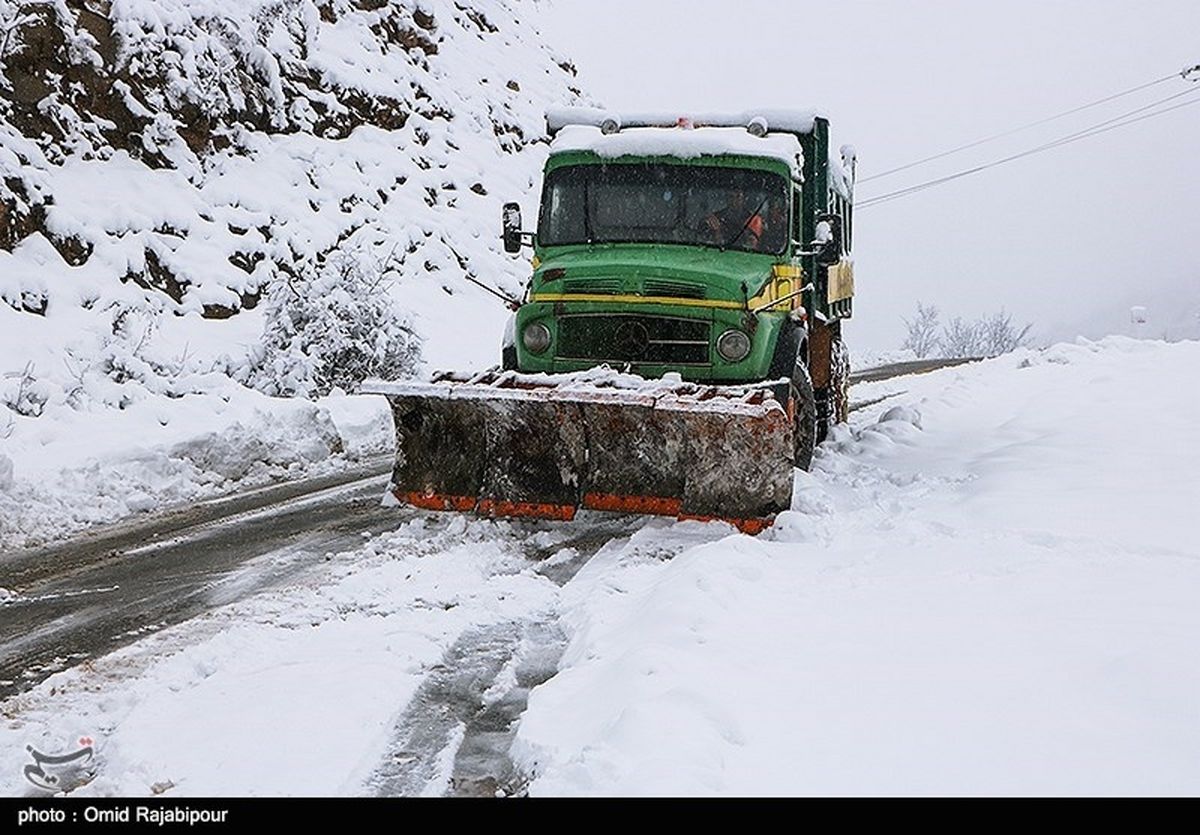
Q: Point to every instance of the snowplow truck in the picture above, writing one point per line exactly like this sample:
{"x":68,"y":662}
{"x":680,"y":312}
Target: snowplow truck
{"x":678,"y":347}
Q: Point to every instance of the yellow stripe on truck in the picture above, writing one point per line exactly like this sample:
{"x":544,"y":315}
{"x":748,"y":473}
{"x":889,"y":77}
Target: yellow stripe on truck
{"x":785,"y":283}
{"x":665,"y":300}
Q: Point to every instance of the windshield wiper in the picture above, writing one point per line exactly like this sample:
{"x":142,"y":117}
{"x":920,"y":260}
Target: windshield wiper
{"x":746,"y":225}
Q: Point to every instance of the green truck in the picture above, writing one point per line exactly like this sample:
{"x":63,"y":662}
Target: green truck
{"x":678,"y":349}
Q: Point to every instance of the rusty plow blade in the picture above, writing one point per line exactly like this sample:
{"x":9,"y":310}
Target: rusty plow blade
{"x":506,"y":444}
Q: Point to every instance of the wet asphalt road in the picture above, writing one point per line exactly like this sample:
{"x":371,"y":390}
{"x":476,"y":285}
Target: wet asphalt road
{"x":901,"y":369}
{"x":104,"y":589}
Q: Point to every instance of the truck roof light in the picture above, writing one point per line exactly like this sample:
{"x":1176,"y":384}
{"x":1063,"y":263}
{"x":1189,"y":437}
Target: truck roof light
{"x":757,"y":127}
{"x":610,"y":125}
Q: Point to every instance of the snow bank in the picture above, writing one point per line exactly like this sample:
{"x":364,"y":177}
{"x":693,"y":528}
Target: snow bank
{"x":106,"y":466}
{"x":986,"y":587}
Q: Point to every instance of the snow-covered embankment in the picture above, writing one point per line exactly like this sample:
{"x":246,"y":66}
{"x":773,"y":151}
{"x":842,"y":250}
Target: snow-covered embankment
{"x":988,"y":586}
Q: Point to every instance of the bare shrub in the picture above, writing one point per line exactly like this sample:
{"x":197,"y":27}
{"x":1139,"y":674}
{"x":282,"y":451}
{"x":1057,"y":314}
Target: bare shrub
{"x":998,"y":335}
{"x":961,"y":338}
{"x":922,"y":338}
{"x":988,"y":336}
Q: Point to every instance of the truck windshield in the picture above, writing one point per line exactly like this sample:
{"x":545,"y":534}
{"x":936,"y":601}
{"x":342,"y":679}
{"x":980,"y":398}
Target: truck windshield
{"x":732,"y":208}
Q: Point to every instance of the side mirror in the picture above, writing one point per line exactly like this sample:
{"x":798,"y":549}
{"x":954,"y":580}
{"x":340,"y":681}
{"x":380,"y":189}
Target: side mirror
{"x":828,"y":241}
{"x":511,"y":220}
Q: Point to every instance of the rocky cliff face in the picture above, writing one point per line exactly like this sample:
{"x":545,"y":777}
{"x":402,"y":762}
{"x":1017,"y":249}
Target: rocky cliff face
{"x":201,"y":149}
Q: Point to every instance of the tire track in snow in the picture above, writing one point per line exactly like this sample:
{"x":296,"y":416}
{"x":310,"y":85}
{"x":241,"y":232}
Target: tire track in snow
{"x":453,"y":736}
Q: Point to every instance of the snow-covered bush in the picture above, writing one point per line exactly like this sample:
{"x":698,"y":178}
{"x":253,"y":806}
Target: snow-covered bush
{"x":334,"y":327}
{"x":24,"y":393}
{"x":102,"y":369}
{"x":113,"y":366}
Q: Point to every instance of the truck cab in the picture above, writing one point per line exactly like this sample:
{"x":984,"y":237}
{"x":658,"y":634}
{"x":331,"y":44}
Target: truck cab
{"x":717,"y":248}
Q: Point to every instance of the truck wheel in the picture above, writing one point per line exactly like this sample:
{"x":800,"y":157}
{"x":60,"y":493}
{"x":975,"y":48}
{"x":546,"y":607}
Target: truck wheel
{"x":833,"y":401}
{"x":803,"y":409}
{"x":508,"y":358}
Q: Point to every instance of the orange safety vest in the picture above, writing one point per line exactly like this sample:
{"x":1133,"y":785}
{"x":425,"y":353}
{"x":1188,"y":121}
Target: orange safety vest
{"x":755,"y":227}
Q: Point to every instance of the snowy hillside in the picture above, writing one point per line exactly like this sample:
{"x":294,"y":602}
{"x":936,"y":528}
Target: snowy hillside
{"x":986,"y":586}
{"x":174,"y":172}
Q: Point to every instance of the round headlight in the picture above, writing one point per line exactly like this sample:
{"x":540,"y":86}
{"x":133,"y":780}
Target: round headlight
{"x":733,"y":345}
{"x":536,"y":338}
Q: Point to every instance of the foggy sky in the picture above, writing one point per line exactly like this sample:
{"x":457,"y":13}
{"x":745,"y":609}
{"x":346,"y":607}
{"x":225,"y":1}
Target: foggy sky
{"x":1066,"y":239}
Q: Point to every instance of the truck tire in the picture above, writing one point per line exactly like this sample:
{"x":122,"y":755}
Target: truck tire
{"x":803,"y":409}
{"x":508,"y":358}
{"x":833,"y":401}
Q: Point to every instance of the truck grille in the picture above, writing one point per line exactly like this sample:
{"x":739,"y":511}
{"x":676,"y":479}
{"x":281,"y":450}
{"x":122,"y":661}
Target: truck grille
{"x":674,"y":289}
{"x":606,"y":286}
{"x":653,"y":340}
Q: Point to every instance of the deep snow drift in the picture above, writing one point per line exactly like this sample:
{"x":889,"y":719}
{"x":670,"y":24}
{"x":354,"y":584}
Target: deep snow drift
{"x":986,"y":586}
{"x":989,"y":590}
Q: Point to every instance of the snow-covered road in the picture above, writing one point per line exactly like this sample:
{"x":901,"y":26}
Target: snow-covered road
{"x":86,"y":597}
{"x":987,"y":585}
{"x":77,"y":599}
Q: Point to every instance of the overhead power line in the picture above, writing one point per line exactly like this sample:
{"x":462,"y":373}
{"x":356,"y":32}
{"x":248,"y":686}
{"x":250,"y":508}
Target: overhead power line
{"x":1125,"y":119}
{"x":1184,"y":74}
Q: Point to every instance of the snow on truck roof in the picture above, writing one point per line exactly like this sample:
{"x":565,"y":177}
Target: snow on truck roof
{"x":758,"y":133}
{"x":647,"y":142}
{"x":794,"y":121}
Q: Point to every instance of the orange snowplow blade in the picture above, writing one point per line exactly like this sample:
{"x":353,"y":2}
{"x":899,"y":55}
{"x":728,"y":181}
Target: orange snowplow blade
{"x":507,"y":444}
